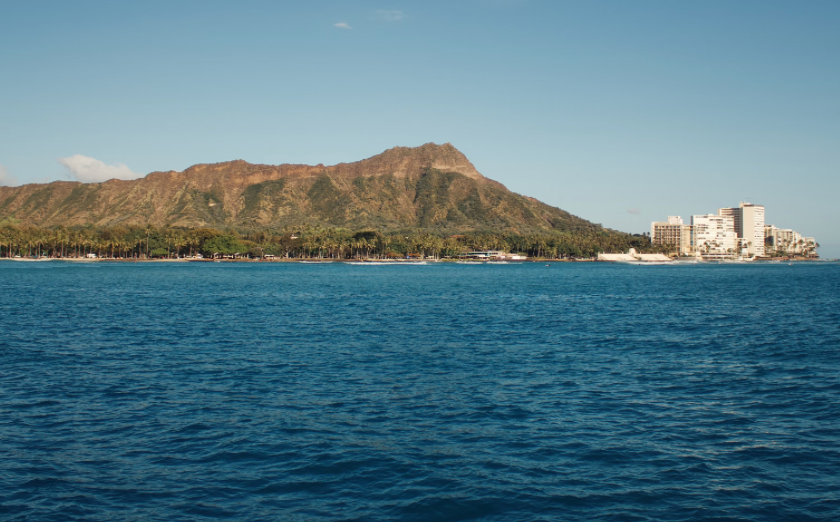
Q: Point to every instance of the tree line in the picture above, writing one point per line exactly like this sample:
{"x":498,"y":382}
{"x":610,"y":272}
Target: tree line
{"x":139,"y":242}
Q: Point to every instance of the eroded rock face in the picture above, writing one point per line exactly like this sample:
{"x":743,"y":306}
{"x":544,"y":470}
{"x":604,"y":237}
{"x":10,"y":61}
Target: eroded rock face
{"x":431,"y":186}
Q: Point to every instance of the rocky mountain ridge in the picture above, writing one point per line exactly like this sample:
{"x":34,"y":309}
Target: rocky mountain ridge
{"x":430,"y":187}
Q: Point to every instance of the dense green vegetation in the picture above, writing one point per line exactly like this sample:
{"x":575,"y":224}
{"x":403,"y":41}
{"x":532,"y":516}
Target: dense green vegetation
{"x":306,"y":242}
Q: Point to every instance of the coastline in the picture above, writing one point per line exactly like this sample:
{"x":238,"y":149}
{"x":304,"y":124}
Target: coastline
{"x":397,"y":261}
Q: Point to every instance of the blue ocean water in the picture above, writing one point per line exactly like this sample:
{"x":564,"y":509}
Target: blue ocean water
{"x":187,"y":391}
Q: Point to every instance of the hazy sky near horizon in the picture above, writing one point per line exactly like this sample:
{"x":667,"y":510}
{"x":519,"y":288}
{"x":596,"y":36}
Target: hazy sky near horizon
{"x":620,"y":112}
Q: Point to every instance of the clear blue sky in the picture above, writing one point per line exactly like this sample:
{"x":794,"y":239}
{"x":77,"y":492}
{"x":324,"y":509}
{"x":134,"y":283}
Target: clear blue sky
{"x":621,"y":112}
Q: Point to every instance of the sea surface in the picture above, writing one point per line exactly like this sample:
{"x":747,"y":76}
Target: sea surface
{"x":575,"y":391}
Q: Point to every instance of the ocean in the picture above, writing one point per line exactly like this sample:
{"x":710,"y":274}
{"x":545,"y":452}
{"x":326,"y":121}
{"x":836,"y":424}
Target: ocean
{"x":287,"y":391}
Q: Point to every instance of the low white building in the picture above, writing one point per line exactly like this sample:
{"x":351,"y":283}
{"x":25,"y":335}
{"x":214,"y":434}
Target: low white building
{"x":787,"y":241}
{"x":633,"y":257}
{"x":492,"y":254}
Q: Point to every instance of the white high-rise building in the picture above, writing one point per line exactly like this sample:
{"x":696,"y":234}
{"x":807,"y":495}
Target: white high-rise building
{"x":715,"y":237}
{"x":733,"y":213}
{"x":748,"y":223}
{"x":752,"y":228}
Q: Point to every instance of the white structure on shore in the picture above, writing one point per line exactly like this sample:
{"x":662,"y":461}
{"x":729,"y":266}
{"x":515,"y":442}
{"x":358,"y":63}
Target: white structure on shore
{"x":633,"y":257}
{"x":493,"y":254}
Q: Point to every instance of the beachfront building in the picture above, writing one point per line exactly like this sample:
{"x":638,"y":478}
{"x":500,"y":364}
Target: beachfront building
{"x":672,"y":233}
{"x":714,"y":237}
{"x":788,"y":242}
{"x":734,"y":214}
{"x":734,"y":232}
{"x":809,"y":247}
{"x":780,"y":240}
{"x":748,"y":224}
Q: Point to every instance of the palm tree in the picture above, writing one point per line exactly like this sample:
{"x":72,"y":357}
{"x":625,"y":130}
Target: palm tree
{"x":180,"y":242}
{"x":193,"y":242}
{"x":64,"y":239}
{"x":6,"y":239}
{"x":148,"y":233}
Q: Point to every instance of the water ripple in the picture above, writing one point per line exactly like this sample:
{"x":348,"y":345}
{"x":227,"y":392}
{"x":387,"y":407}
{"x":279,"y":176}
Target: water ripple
{"x":444,"y":392}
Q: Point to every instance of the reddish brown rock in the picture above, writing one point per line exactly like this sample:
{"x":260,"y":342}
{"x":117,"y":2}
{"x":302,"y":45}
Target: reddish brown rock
{"x":431,"y":187}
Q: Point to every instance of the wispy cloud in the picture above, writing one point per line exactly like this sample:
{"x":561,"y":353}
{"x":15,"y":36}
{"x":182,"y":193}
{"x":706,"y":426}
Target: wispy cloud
{"x":7,"y":179}
{"x":389,"y":16}
{"x":634,"y":211}
{"x":342,"y":25}
{"x":91,"y":170}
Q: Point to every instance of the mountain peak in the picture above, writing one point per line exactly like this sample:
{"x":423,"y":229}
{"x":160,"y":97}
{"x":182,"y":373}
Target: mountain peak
{"x":405,"y":161}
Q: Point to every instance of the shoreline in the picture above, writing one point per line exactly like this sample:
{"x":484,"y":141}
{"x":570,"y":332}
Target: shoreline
{"x":391,"y":261}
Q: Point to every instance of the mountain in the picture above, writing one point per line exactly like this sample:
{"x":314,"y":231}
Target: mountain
{"x":431,"y":187}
